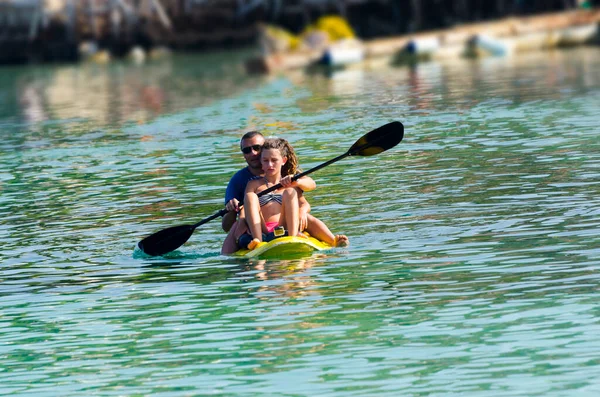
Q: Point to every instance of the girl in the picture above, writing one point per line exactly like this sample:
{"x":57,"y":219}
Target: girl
{"x":280,"y":207}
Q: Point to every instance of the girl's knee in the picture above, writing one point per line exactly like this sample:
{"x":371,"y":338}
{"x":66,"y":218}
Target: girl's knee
{"x":250,"y":196}
{"x":289,"y":193}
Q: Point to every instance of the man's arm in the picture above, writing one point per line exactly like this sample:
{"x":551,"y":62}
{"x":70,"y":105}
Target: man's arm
{"x":231,"y":203}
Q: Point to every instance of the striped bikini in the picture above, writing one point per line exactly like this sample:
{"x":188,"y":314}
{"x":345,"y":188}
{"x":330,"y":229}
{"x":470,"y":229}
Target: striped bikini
{"x":267,"y":198}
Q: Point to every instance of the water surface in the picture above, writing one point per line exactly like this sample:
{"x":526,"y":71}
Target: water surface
{"x":473,"y":266}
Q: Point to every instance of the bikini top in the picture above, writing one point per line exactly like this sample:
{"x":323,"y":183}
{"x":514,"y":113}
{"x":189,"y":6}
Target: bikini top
{"x":267,"y":198}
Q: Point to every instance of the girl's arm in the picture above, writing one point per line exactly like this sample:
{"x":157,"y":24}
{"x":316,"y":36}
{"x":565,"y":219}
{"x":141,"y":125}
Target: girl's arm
{"x":304,"y":210}
{"x":306,"y":183}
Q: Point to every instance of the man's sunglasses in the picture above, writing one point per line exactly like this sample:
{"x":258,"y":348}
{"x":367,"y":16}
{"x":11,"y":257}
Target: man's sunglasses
{"x":248,"y":149}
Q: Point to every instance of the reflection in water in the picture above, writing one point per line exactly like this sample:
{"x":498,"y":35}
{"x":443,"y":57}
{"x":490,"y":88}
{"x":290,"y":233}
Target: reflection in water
{"x":107,"y":95}
{"x":121,"y":93}
{"x":31,"y":102}
{"x":293,"y":270}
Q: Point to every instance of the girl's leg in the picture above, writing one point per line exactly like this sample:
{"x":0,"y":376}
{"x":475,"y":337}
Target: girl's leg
{"x":290,"y":211}
{"x":319,"y":230}
{"x":252,"y":213}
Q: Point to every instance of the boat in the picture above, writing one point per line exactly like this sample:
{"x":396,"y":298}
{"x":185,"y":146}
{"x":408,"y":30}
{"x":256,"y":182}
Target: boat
{"x":343,"y":53}
{"x":283,"y":248}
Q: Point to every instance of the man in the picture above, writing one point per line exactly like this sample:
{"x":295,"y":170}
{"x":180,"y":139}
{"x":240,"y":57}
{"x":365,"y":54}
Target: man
{"x":250,"y":144}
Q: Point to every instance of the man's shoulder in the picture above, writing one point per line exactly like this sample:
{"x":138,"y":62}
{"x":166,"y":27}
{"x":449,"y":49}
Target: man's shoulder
{"x":243,"y":175}
{"x":254,"y":181}
{"x":237,"y":184}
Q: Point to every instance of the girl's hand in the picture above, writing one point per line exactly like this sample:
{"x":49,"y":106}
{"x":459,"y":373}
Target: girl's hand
{"x":303,"y":220}
{"x":286,"y":181}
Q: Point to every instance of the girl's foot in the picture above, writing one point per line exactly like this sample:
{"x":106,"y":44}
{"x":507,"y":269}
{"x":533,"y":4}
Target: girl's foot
{"x":254,"y":243}
{"x":341,"y":241}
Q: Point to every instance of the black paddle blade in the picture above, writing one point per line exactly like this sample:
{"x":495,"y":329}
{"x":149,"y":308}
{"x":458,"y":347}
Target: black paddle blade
{"x":379,"y":140}
{"x":166,"y":240}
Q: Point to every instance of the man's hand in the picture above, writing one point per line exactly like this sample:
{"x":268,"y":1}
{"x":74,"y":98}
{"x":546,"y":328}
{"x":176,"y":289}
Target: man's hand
{"x":233,"y":205}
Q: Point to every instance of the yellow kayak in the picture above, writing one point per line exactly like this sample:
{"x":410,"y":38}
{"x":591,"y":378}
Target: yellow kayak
{"x":284,"y":247}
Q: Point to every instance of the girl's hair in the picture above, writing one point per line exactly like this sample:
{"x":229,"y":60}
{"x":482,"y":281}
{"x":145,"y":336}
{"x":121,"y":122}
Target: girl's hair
{"x":286,"y":150}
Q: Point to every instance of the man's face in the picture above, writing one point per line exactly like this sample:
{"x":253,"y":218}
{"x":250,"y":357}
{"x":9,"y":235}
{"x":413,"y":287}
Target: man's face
{"x":253,"y":156}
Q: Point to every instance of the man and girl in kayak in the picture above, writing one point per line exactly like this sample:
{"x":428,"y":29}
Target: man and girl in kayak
{"x":270,"y":161}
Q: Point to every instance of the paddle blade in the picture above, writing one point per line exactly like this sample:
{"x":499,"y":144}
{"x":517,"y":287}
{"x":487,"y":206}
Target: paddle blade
{"x":166,"y":240}
{"x":379,"y":140}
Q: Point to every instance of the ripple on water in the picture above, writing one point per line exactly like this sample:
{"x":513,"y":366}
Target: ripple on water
{"x":473,"y":260}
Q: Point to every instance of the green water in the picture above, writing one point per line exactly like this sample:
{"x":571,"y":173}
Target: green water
{"x":473,"y":266}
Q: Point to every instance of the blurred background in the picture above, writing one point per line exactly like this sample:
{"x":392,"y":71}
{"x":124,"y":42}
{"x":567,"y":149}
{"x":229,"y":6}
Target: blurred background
{"x":142,"y":45}
{"x":46,"y":30}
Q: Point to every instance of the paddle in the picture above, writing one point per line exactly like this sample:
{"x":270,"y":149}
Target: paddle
{"x":377,"y":141}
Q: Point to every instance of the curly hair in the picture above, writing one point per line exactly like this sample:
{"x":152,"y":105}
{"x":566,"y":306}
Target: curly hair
{"x":286,"y":150}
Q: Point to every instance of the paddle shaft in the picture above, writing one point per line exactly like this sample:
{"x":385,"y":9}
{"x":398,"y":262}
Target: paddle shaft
{"x":210,"y":218}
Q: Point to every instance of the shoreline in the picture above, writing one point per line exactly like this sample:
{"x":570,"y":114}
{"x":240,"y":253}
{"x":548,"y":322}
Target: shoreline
{"x":513,"y":35}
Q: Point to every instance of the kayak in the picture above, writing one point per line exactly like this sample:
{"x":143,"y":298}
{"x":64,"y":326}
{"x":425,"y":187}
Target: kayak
{"x":284,"y":247}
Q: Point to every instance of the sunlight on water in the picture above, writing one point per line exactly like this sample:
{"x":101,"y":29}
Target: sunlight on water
{"x":473,"y":266}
